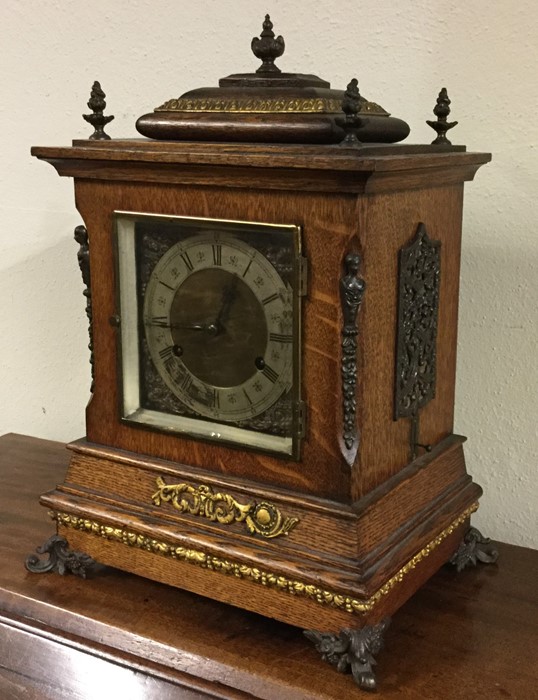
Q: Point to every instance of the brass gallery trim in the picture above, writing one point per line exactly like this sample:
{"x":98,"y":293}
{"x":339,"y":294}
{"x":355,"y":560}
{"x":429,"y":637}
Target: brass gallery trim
{"x":263,"y":519}
{"x":298,"y":106}
{"x":252,"y":573}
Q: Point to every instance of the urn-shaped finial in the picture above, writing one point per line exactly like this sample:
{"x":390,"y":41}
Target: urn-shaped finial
{"x":97,"y":119}
{"x":351,"y":106}
{"x":267,"y":48}
{"x":441,"y":126}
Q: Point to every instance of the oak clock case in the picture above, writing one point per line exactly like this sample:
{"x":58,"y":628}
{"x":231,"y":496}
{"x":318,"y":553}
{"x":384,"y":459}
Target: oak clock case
{"x":274,"y":437}
{"x":210,"y":329}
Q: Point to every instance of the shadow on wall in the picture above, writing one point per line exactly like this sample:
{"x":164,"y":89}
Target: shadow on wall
{"x":44,"y":370}
{"x":497,"y":385}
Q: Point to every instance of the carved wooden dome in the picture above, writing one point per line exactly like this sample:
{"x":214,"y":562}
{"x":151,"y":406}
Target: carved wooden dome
{"x":267,"y":106}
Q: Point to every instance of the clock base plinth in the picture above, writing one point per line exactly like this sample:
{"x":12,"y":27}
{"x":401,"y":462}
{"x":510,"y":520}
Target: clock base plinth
{"x":325,"y":565}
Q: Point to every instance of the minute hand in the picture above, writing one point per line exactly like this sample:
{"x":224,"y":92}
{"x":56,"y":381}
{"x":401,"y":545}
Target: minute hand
{"x":229,"y":295}
{"x":180,"y":326}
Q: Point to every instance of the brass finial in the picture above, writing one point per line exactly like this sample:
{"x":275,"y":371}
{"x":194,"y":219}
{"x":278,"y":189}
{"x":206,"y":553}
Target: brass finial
{"x":441,"y":126}
{"x":267,"y":48}
{"x":98,"y":120}
{"x":351,"y":106}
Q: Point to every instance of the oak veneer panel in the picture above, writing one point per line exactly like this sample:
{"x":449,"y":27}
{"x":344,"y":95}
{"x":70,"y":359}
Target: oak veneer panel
{"x":327,"y":221}
{"x":392,"y":223}
{"x":396,"y":502}
{"x":323,"y":168}
{"x":322,"y":530}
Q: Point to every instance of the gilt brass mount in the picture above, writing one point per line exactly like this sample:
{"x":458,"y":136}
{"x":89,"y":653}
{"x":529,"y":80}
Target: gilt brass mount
{"x":251,"y":105}
{"x":251,"y":573}
{"x":263,"y":518}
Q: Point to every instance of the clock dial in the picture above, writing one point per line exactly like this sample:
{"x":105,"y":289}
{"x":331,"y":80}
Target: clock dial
{"x":210,"y":329}
{"x":217,"y":319}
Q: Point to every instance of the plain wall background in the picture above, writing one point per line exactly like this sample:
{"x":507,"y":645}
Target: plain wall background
{"x":484,"y":51}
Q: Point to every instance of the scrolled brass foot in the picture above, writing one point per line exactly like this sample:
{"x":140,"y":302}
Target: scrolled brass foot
{"x":352,"y":650}
{"x":60,"y":560}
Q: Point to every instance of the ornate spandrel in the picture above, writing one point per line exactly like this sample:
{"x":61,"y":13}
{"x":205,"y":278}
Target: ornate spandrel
{"x":418,"y":305}
{"x":352,"y":288}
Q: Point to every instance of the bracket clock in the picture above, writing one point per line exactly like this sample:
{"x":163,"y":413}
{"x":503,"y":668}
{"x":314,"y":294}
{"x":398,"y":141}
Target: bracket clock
{"x":272,"y":290}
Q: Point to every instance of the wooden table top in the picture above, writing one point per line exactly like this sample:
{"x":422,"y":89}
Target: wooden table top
{"x":468,"y":635}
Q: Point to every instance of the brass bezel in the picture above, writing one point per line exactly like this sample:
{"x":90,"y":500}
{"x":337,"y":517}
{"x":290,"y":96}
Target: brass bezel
{"x":203,"y":430}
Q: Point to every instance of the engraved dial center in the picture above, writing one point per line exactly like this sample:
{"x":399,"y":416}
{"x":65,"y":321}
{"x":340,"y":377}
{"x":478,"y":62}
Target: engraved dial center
{"x":232,"y":329}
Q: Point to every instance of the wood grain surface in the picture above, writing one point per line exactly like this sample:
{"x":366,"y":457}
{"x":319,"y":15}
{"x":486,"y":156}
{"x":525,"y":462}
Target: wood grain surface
{"x":461,"y":637}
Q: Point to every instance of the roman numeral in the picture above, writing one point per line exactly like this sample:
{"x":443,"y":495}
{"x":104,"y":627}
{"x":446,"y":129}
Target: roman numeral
{"x":268,"y":300}
{"x":215,"y":399}
{"x":166,"y":353}
{"x":170,"y":366}
{"x":217,"y":254}
{"x":158,"y":321}
{"x":187,"y":261}
{"x":186,"y":383}
{"x":270,"y":373}
{"x":247,"y":267}
{"x":166,"y":285}
{"x":280,"y":338}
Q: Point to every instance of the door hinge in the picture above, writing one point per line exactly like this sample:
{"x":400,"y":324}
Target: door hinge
{"x":300,"y":419}
{"x":303,"y":276}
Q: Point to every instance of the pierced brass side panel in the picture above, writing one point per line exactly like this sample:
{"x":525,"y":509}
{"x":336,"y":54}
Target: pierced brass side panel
{"x":263,"y":518}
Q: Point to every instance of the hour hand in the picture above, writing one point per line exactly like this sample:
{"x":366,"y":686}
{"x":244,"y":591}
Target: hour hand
{"x":209,"y":328}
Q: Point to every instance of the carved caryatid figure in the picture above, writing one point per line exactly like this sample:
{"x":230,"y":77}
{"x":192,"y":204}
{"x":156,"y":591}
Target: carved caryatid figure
{"x":83,"y":257}
{"x":352,"y":288}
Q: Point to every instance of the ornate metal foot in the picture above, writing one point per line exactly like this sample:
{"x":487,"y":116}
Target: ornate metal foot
{"x":61,"y":560}
{"x":352,"y":650}
{"x":475,"y":547}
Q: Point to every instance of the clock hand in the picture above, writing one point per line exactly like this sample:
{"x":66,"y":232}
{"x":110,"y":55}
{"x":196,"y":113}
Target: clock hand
{"x":229,"y":295}
{"x":208,"y":327}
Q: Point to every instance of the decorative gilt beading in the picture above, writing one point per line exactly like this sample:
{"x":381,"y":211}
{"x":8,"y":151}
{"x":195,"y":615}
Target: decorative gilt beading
{"x":263,"y":518}
{"x":352,"y":288}
{"x":416,"y":354}
{"x":268,"y":106}
{"x":253,"y":573}
{"x":83,"y":257}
